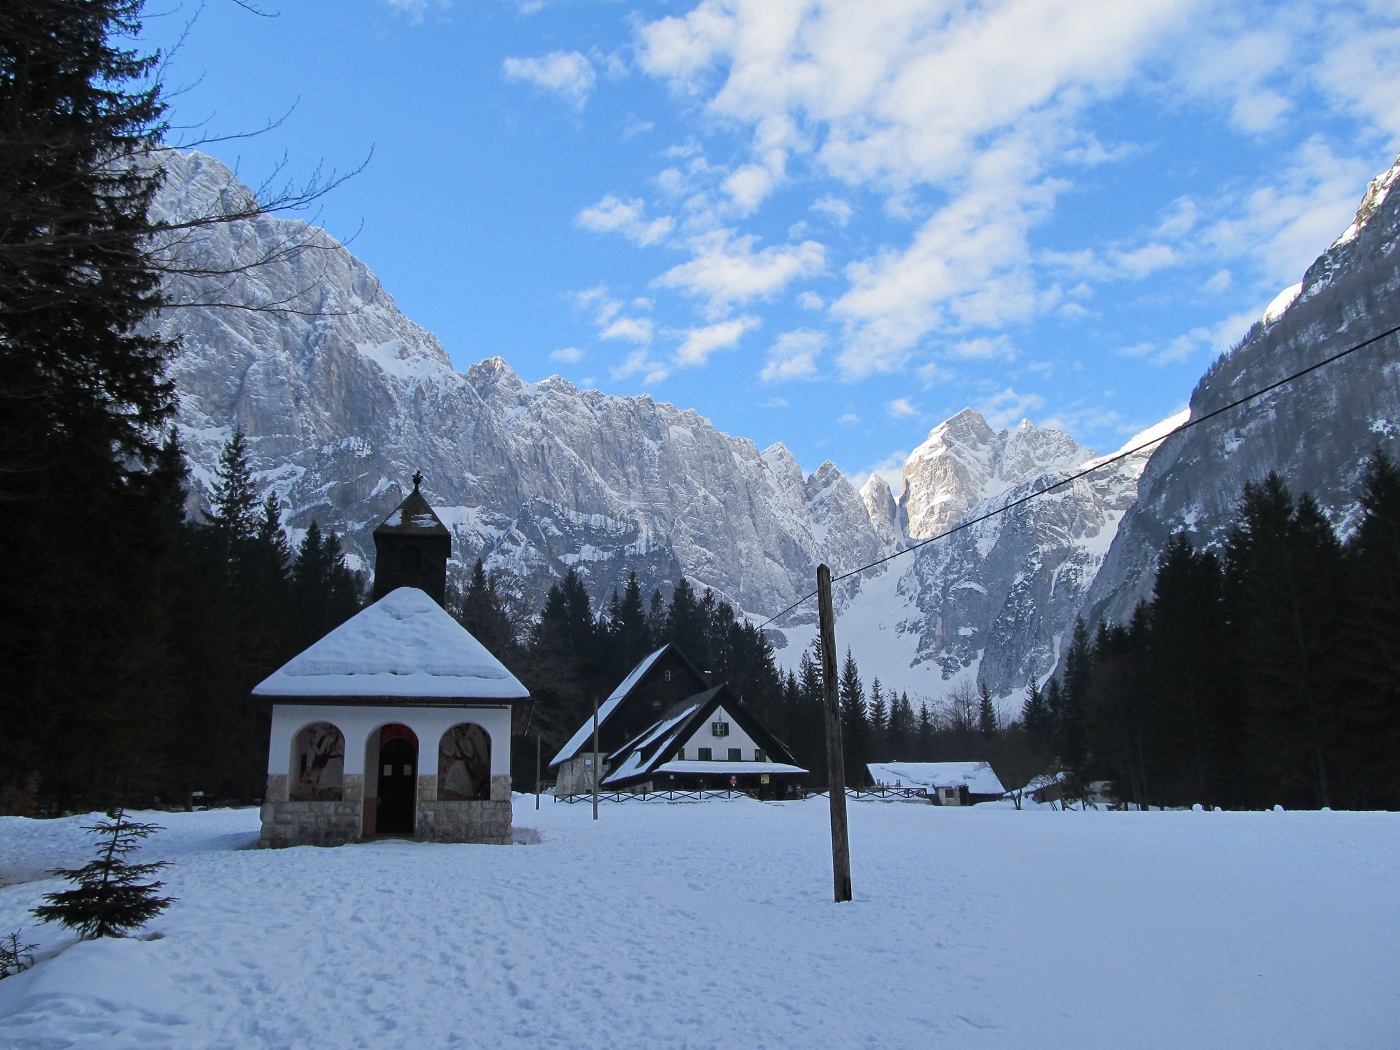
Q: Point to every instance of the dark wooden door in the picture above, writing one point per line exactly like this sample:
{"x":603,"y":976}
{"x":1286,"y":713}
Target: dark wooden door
{"x":398,"y":787}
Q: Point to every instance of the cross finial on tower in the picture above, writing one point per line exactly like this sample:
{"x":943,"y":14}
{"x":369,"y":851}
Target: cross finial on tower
{"x":417,"y":479}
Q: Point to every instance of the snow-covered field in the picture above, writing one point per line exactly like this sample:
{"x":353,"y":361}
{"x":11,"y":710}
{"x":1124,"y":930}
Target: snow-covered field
{"x":711,"y":925}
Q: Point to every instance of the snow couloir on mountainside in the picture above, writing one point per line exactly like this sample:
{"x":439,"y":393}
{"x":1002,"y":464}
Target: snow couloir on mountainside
{"x":344,"y":397}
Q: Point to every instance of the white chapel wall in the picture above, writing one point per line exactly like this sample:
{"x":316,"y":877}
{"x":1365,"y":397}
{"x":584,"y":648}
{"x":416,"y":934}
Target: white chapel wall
{"x":357,"y":722}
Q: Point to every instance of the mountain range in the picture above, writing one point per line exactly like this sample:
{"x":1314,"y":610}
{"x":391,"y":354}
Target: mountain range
{"x":342,"y":397}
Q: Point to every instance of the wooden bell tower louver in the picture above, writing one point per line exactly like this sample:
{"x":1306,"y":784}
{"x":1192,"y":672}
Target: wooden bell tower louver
{"x":411,"y":549}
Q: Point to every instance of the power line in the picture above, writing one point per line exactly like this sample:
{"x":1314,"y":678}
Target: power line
{"x":1020,"y":501}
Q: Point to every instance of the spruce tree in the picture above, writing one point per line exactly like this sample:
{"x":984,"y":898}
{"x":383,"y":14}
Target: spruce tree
{"x":855,"y":724}
{"x":685,"y":624}
{"x":1286,"y":578}
{"x":110,"y":899}
{"x":630,"y":627}
{"x":986,"y":713}
{"x":1036,"y":716}
{"x":879,"y":722}
{"x":1196,"y":705}
{"x":235,"y":495}
{"x":1372,"y":639}
{"x":1069,"y":718}
{"x":924,"y":735}
{"x":903,"y":740}
{"x":85,"y":399}
{"x":484,"y":614}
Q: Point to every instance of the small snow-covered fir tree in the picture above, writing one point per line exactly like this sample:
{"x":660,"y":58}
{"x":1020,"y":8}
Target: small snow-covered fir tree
{"x":111,"y":899}
{"x":14,"y":956}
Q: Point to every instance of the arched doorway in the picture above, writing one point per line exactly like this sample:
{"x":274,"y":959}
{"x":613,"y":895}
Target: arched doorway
{"x":397,"y":787}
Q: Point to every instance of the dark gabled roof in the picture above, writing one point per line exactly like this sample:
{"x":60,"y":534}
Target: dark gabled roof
{"x":644,"y":754}
{"x":615,"y":700}
{"x":413,"y":517}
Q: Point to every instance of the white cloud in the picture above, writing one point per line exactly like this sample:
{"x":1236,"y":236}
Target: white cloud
{"x":640,"y":362}
{"x":700,"y":343}
{"x":902,"y":91}
{"x":1139,"y":262}
{"x":624,"y":216}
{"x":810,"y":301}
{"x":902,"y":408}
{"x":608,"y":316}
{"x":1235,"y":67}
{"x":416,"y":9}
{"x":1219,"y":281}
{"x":726,"y":269}
{"x":967,"y":267}
{"x":748,"y":186}
{"x":997,"y":348}
{"x":793,"y":356}
{"x":964,"y":118}
{"x":632,"y":329}
{"x":567,"y":73}
{"x":849,"y":419}
{"x":1007,"y":407}
{"x":568,"y":355}
{"x":1179,"y":220}
{"x":1115,"y":263}
{"x":1282,"y":224}
{"x":835,"y":209}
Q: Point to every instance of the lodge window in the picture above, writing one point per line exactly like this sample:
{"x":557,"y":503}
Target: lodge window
{"x":680,"y":754}
{"x":668,"y":676}
{"x":719,"y":728}
{"x":758,"y":755}
{"x":735,"y":755}
{"x":704,"y":754}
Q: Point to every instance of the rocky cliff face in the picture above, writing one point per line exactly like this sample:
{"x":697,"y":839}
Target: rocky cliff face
{"x":1316,"y":432}
{"x":343,"y":397}
{"x":991,"y":602}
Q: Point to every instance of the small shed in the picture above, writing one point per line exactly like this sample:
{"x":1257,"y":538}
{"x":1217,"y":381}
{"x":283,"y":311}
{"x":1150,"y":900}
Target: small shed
{"x":396,"y":723}
{"x":945,"y":783}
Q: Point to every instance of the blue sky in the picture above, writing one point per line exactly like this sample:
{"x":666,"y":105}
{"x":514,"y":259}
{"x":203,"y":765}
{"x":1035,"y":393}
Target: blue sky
{"x":828,"y":224}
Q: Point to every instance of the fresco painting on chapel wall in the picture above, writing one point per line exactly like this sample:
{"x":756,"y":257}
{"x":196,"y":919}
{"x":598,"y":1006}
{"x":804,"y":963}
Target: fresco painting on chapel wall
{"x":464,"y":764}
{"x":318,"y":764}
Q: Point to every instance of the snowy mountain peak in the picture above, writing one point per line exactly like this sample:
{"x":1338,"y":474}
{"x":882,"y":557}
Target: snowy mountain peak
{"x":964,"y":462}
{"x":1376,"y":192}
{"x":880,"y":505}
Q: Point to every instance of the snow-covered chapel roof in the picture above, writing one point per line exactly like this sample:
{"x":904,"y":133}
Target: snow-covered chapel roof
{"x":404,"y":646}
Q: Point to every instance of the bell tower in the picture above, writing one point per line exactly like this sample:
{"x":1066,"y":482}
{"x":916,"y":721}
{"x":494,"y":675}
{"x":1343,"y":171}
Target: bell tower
{"x":411,"y":549}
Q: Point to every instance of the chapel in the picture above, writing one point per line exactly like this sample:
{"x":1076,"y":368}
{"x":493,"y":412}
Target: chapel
{"x":397,"y":723}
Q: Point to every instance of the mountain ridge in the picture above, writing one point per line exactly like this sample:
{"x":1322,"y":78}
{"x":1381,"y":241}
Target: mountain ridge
{"x":341,"y":406}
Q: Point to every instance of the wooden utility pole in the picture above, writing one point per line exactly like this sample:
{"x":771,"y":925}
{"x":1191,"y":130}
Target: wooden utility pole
{"x":537,"y":770}
{"x":835,"y":754}
{"x":595,"y":758}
